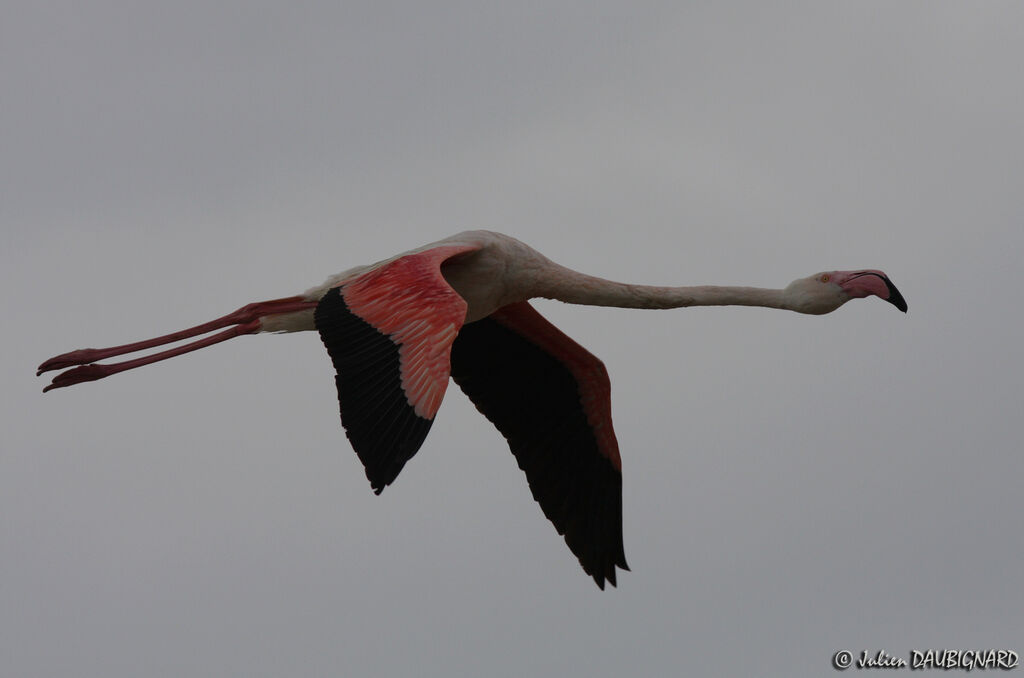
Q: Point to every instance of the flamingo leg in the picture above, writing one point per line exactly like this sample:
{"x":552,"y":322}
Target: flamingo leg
{"x":245,"y":320}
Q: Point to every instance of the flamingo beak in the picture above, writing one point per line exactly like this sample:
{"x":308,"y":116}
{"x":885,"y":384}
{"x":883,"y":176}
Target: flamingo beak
{"x":895,"y":298}
{"x":860,"y":284}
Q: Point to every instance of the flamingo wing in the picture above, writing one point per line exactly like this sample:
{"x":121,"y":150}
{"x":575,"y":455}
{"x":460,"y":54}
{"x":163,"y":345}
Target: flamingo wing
{"x":551,"y":399}
{"x":389,"y":333}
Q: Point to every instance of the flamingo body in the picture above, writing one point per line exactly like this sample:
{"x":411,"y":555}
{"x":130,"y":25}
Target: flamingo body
{"x":397,"y":330}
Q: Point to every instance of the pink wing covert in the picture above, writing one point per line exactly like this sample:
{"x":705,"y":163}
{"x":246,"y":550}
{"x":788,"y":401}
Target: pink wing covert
{"x":411,"y":302}
{"x":389,"y":333}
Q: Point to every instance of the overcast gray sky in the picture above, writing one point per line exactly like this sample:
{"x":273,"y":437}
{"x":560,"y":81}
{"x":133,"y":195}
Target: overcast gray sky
{"x":793,"y":485}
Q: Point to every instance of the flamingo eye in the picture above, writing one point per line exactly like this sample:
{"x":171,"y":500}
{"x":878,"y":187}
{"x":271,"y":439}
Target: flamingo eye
{"x":825,"y":277}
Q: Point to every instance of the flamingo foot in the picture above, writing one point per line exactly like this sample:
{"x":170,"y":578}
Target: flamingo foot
{"x":78,"y":375}
{"x":82,"y":356}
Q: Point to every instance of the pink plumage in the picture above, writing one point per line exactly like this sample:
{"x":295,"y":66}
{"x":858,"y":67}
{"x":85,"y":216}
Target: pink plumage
{"x":409,"y":301}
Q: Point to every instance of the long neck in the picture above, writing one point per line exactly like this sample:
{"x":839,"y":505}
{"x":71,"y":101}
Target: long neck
{"x":578,"y":288}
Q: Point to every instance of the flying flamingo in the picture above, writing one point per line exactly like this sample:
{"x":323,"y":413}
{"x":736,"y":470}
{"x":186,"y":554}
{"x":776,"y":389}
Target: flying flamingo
{"x":396,"y":330}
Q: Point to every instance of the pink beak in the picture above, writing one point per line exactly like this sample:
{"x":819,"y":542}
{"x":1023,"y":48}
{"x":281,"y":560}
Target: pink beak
{"x":860,"y":284}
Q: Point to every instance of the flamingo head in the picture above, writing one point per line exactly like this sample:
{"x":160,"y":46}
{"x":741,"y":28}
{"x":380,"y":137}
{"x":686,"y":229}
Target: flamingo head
{"x":825,"y":292}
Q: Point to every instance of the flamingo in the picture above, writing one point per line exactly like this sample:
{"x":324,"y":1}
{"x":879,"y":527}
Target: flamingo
{"x":396,"y":330}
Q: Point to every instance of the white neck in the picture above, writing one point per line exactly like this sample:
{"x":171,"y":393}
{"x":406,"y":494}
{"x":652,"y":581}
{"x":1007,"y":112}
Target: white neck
{"x":578,"y":288}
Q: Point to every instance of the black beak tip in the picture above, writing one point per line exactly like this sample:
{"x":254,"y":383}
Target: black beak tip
{"x":895,"y":298}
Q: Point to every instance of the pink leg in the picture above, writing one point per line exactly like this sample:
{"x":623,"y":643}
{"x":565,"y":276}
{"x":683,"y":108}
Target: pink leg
{"x":246,"y":320}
